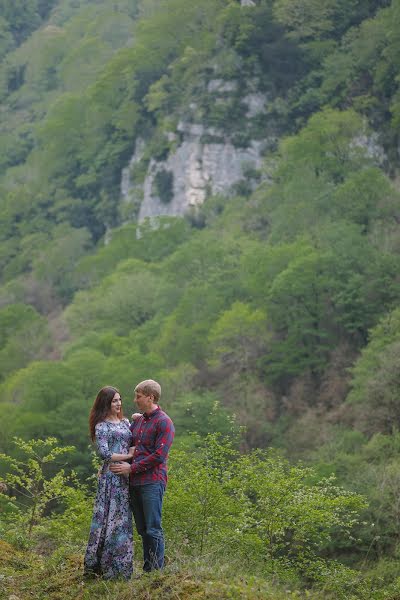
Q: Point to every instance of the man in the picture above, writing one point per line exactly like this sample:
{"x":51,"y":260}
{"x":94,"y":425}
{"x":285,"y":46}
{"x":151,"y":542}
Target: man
{"x":153,"y":433}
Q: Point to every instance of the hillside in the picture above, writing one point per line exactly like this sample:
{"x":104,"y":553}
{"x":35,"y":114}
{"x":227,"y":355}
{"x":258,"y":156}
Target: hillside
{"x":207,"y":194}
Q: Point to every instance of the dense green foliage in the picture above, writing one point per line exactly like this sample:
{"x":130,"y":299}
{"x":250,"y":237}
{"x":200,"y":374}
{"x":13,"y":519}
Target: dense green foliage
{"x":254,"y":509}
{"x":275,"y":308}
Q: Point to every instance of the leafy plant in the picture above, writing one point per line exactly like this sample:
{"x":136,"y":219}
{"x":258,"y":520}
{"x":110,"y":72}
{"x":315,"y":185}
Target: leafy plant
{"x":164,"y":185}
{"x":32,"y":481}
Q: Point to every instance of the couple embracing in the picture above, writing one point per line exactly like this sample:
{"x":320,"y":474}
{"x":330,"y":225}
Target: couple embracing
{"x":132,"y":479}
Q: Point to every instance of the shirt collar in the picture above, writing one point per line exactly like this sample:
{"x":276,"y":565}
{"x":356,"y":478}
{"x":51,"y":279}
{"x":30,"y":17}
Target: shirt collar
{"x":155,"y":412}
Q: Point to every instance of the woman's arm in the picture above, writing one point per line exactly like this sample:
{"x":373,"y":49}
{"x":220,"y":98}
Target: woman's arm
{"x":102,"y":446}
{"x":117,"y":457}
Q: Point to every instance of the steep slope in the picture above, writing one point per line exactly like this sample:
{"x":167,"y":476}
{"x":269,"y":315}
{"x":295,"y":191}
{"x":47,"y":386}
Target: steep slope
{"x":272,"y":126}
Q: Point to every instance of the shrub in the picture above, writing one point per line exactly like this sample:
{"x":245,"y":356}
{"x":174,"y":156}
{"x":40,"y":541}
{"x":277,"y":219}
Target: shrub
{"x":164,"y":185}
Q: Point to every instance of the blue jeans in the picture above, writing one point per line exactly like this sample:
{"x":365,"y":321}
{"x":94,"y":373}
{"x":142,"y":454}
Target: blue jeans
{"x":146,"y":503}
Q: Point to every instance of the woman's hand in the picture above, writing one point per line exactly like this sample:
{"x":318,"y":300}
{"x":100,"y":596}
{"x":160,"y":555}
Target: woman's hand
{"x":131,"y":451}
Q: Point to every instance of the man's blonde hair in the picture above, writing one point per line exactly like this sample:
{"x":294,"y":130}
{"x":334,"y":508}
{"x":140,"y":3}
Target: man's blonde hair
{"x":149,"y":387}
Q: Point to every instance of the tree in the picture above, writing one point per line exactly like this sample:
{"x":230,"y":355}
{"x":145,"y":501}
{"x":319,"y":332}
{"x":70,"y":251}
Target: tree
{"x":276,"y":516}
{"x":123,"y":301}
{"x":306,"y":19}
{"x":39,"y":389}
{"x":299,"y":311}
{"x":238,"y":339}
{"x":61,"y":137}
{"x":24,"y":336}
{"x":364,"y":198}
{"x":6,"y":39}
{"x":31,"y":480}
{"x":66,"y":247}
{"x":373,"y":399}
{"x":201,"y":413}
{"x":83,"y":64}
{"x":328,"y":143}
{"x":22,"y":16}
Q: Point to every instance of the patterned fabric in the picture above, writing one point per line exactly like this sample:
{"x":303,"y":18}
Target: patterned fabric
{"x":152,"y":435}
{"x":110,"y":548}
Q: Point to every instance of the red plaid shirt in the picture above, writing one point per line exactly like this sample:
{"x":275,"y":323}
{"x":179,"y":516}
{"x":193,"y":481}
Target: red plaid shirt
{"x":152,"y":436}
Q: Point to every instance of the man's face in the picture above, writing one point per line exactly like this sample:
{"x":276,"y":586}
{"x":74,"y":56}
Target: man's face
{"x":143,"y":402}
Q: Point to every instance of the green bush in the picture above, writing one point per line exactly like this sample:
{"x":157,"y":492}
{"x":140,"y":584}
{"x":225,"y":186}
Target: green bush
{"x":275,"y":517}
{"x":164,"y":185}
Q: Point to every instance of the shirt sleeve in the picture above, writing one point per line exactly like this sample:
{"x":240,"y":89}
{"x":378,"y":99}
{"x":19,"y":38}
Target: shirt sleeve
{"x":164,"y":437}
{"x":102,"y":441}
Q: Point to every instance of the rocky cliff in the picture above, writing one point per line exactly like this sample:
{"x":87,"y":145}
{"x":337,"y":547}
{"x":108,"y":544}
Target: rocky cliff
{"x":202,"y":161}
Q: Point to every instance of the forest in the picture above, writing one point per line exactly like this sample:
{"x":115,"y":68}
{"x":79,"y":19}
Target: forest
{"x":270,"y":313}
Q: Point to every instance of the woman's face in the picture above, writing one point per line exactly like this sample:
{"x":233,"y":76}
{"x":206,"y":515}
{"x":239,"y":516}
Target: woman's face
{"x":115,"y":407}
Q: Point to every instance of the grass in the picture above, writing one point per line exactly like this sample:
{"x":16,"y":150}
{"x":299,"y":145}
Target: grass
{"x":54,"y":571}
{"x":28,"y":574}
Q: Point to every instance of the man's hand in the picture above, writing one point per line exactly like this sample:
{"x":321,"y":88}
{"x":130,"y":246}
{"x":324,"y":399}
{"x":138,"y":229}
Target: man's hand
{"x":122,"y":468}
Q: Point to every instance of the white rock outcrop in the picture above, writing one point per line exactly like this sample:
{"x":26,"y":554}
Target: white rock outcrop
{"x":203,"y":161}
{"x":198,"y":170}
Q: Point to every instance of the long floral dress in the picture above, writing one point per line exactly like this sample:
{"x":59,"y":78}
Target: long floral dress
{"x":109,"y":551}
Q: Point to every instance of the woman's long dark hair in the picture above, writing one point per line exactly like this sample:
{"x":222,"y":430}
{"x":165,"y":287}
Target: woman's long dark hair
{"x":101,"y":408}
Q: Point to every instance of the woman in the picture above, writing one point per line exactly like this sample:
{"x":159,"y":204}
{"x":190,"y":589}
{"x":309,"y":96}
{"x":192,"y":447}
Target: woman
{"x":110,"y":548}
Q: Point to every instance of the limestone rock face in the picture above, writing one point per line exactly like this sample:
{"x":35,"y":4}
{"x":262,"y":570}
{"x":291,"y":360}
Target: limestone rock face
{"x":198,"y":170}
{"x":203,"y":160}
